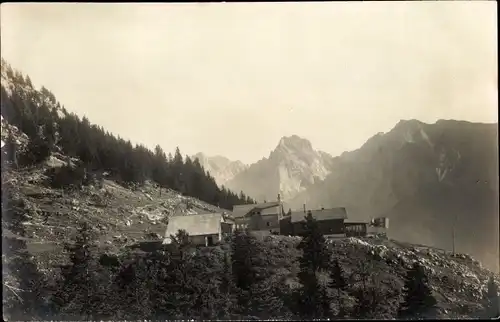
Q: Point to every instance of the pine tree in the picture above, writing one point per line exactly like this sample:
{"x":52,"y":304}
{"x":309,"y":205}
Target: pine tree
{"x":227,"y":290}
{"x":369,"y":301}
{"x":265,"y":302}
{"x":207,"y":301}
{"x":242,"y":250}
{"x":419,"y":301}
{"x":492,"y":299}
{"x":25,"y":288}
{"x":314,"y":300}
{"x":339,"y":283}
{"x":85,"y":285}
{"x":37,"y":151}
{"x":182,"y":242}
{"x":313,"y":245}
{"x":11,"y":149}
{"x":133,"y":286}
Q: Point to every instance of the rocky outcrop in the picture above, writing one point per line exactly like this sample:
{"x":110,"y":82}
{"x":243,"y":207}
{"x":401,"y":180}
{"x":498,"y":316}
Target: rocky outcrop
{"x":221,"y":168}
{"x":290,"y":168}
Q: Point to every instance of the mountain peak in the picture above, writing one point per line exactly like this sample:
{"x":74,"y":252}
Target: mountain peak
{"x":295,"y":142}
{"x":220,"y":167}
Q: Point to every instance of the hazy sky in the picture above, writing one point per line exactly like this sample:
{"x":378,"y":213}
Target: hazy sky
{"x":233,"y":78}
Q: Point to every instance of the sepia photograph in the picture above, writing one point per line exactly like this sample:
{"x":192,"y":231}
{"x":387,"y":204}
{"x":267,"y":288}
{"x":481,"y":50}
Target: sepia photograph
{"x":238,"y":161}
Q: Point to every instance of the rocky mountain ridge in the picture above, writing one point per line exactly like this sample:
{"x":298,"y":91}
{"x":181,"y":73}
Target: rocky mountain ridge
{"x":221,"y":168}
{"x":290,"y":168}
{"x":427,"y":178}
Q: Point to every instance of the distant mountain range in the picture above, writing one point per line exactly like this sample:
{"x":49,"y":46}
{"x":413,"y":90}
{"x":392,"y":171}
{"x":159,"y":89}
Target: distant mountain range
{"x":221,"y":168}
{"x":426,"y":178}
{"x":292,"y":167}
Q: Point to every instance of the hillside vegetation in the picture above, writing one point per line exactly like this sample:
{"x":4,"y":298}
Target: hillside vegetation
{"x":245,"y":278}
{"x":73,"y":196}
{"x":51,"y":128}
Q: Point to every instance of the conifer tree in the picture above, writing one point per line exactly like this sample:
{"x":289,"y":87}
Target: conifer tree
{"x":133,"y":287}
{"x":11,"y":150}
{"x":85,"y":284}
{"x":182,"y":242}
{"x":313,"y":245}
{"x":25,"y":288}
{"x":368,"y":301}
{"x":242,"y":250}
{"x":419,"y":302}
{"x":266,"y":302}
{"x":339,"y":283}
{"x":314,"y":302}
{"x":493,"y":299}
{"x":227,"y":290}
{"x":37,"y":151}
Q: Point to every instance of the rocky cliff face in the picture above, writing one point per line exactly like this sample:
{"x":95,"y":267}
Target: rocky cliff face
{"x":427,"y":178}
{"x":290,"y":168}
{"x":221,"y":168}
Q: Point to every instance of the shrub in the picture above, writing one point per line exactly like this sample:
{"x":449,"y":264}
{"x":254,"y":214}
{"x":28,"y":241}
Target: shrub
{"x":66,"y":176}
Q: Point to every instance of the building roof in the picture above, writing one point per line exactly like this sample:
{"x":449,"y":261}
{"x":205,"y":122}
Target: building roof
{"x":241,"y":210}
{"x":271,"y":210}
{"x":321,"y":214}
{"x":195,"y":225}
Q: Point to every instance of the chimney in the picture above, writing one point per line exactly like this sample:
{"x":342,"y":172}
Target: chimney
{"x":304,"y":208}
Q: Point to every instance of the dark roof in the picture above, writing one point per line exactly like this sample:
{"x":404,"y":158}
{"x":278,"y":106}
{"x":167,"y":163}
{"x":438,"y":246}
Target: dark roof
{"x":321,"y":214}
{"x":241,"y":210}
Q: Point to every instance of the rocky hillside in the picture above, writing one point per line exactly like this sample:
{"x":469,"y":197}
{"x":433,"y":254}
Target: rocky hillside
{"x":292,"y":167}
{"x":122,"y":216}
{"x":119,"y":215}
{"x":426,"y":178}
{"x":458,"y":281}
{"x":221,"y":168}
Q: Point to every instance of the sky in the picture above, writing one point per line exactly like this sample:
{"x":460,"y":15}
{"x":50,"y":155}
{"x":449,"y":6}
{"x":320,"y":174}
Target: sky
{"x":231,"y":79}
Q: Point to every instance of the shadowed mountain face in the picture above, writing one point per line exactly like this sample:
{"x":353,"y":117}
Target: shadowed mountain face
{"x":221,"y":168}
{"x":292,"y":167}
{"x":427,"y":178}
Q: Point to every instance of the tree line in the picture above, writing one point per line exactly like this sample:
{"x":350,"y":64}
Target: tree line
{"x":51,"y":128}
{"x":237,"y":280}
